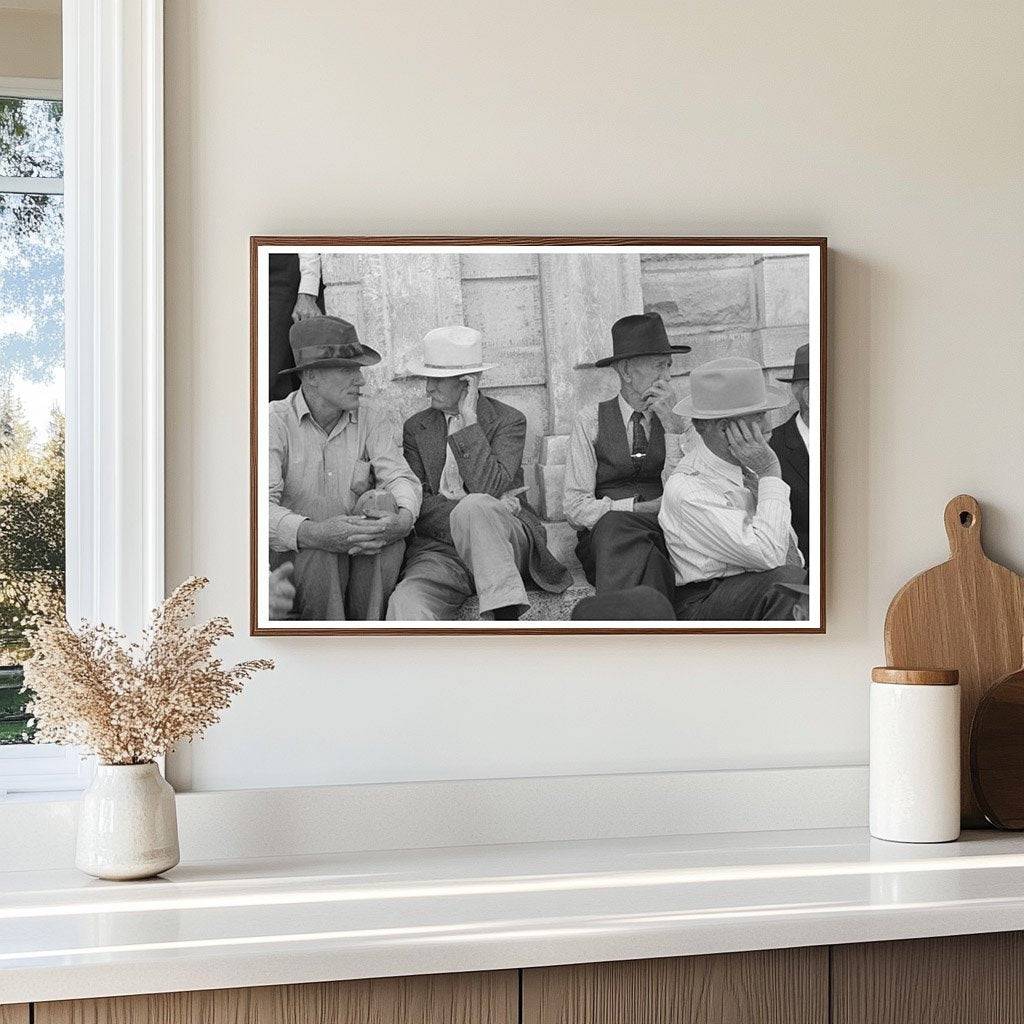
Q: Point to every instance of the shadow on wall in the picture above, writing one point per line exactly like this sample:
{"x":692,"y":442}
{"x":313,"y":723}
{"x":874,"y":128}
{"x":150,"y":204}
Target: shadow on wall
{"x":854,"y":287}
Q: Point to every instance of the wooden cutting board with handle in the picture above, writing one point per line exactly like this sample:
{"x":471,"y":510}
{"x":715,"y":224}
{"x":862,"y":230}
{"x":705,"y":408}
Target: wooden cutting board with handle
{"x":967,"y":614}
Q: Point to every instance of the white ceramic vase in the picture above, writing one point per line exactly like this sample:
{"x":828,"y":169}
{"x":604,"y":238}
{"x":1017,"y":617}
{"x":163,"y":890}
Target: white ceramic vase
{"x":127,"y":825}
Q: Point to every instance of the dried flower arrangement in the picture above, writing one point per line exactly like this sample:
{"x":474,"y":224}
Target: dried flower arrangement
{"x":130,"y":703}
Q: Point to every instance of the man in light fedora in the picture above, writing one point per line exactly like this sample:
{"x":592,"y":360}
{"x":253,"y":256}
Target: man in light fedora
{"x":791,"y":442}
{"x":331,"y":458}
{"x":476,"y":532}
{"x":725,"y":512}
{"x":619,"y":453}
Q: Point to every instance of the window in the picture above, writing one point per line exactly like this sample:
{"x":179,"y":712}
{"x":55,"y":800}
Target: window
{"x":32,"y":513}
{"x":92,"y":171}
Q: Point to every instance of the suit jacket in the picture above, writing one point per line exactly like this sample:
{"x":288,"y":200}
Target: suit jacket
{"x":787,"y":443}
{"x":489,"y":454}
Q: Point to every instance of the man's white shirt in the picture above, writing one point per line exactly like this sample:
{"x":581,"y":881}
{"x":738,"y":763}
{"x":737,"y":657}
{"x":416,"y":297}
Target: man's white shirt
{"x":713,"y":525}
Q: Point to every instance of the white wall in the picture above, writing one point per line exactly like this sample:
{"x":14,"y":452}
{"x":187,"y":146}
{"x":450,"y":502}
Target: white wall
{"x":895,"y":129}
{"x":30,"y":39}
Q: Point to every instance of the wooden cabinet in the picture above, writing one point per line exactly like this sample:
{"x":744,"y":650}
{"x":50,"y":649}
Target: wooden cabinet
{"x":962,"y":979}
{"x":970,"y":979}
{"x":777,"y":986}
{"x":491,"y":998}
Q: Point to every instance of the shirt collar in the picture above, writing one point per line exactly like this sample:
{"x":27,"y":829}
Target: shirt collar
{"x":627,"y":411}
{"x":708,"y":461}
{"x":300,"y":404}
{"x":803,"y":431}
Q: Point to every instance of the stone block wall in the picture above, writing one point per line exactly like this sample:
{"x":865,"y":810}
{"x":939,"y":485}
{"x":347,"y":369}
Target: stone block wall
{"x":542,"y":315}
{"x":750,"y":305}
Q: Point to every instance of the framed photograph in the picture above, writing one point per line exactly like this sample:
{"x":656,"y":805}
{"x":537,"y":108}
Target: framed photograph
{"x":537,"y":435}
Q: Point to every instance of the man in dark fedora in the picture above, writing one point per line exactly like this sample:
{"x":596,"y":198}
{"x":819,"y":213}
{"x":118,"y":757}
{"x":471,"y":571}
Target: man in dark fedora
{"x":476,"y":532}
{"x":618,"y":453}
{"x":332,"y":460}
{"x":725,"y":512}
{"x":791,"y":442}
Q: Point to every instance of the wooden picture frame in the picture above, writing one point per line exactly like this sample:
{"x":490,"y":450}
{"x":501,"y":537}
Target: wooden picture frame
{"x":768,"y":325}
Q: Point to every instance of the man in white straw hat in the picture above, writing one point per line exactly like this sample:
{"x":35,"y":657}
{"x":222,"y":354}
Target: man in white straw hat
{"x":725,"y":512}
{"x":342,"y":497}
{"x":476,"y":532}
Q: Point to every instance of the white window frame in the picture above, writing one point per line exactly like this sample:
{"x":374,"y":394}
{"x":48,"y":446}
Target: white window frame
{"x":114,"y":334}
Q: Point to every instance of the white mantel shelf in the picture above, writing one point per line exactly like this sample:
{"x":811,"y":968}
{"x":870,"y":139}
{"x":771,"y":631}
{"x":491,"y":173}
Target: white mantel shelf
{"x":267,"y":922}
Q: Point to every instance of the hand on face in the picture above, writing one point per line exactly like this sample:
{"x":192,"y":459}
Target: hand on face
{"x":468,"y":401}
{"x":749,"y":446}
{"x":661,"y":399}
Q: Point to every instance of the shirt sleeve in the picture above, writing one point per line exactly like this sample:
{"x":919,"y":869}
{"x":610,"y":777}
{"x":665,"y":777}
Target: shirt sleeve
{"x":701,"y":520}
{"x":309,"y":274}
{"x":283,"y":524}
{"x":391,"y":470}
{"x":581,"y":507}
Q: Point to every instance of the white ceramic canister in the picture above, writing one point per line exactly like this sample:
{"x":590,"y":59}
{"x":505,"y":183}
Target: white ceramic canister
{"x":127,"y":825}
{"x":915,"y":755}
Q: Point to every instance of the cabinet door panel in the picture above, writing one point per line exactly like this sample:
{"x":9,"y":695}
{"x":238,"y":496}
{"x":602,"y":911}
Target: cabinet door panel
{"x":960,"y":979}
{"x":13,"y":1013}
{"x":481,"y":998}
{"x":778,"y":986}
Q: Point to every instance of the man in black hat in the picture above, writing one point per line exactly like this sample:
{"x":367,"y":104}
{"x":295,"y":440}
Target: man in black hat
{"x":791,"y":443}
{"x":618,"y":453}
{"x":342,"y":496}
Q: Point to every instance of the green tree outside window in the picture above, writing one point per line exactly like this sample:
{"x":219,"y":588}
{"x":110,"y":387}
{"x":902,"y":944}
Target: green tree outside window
{"x":32,"y":553}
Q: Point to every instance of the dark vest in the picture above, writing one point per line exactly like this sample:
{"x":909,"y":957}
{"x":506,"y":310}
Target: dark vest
{"x":619,"y":475}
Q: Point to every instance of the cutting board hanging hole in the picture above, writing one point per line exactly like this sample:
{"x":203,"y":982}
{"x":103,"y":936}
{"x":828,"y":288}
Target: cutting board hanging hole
{"x":963,"y":526}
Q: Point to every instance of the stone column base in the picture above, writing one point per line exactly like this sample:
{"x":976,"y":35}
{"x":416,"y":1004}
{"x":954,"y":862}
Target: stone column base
{"x":550,"y":471}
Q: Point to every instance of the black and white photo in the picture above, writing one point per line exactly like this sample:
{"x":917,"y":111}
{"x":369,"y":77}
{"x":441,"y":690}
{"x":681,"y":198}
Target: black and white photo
{"x":537,"y":435}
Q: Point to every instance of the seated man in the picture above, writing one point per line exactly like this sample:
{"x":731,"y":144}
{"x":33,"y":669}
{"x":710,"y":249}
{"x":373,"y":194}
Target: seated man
{"x":790,"y":442}
{"x":326,"y":450}
{"x":619,"y":453}
{"x":475,"y":531}
{"x":725,"y":511}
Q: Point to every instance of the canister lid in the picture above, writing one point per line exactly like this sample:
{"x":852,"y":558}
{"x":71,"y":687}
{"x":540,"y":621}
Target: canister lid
{"x":916,"y":676}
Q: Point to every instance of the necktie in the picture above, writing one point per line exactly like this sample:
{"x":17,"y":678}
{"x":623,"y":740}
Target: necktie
{"x":639,"y":435}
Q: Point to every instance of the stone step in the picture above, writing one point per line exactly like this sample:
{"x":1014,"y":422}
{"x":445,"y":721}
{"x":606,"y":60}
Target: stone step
{"x":544,"y":607}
